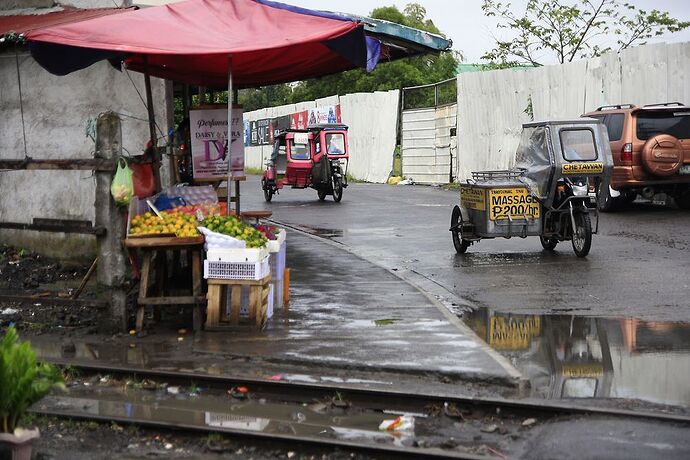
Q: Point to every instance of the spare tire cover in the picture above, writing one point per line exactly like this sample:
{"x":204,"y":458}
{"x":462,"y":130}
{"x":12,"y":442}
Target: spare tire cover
{"x":662,"y":155}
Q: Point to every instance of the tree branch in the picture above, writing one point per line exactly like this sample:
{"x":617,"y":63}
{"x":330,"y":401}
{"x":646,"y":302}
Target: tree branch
{"x":595,"y":14}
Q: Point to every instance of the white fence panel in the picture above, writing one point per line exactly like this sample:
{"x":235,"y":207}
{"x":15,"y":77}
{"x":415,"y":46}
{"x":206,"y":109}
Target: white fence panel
{"x":492,"y":105}
{"x":427,"y":144}
{"x":373,"y":120}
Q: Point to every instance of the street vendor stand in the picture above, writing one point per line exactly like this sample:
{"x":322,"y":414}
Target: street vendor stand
{"x":154,"y":252}
{"x":253,"y":43}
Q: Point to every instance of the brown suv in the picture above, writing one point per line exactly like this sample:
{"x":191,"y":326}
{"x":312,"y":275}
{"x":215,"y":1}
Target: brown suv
{"x":651,"y":152}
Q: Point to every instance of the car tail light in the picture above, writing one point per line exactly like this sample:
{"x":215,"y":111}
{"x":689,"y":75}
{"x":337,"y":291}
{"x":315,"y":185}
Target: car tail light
{"x":626,"y":153}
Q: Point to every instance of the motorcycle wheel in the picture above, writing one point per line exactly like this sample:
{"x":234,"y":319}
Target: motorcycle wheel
{"x":268,"y":193}
{"x":337,"y":190}
{"x":548,"y":243}
{"x":582,"y":236}
{"x":321,"y":194}
{"x":460,"y":244}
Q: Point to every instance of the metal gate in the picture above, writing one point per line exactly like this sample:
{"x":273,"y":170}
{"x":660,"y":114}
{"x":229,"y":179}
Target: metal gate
{"x":429,"y":144}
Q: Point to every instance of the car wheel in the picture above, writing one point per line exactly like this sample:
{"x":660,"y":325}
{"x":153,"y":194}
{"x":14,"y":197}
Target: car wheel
{"x":605,"y":202}
{"x":548,"y":243}
{"x":629,"y":197}
{"x":683,"y":200}
{"x":582,"y":234}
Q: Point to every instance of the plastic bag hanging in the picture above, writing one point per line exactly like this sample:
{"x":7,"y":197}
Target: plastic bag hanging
{"x":122,"y":188}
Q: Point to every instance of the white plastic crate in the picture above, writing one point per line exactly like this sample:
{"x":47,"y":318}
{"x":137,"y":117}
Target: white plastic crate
{"x":278,"y":261}
{"x":269,"y":312}
{"x":237,"y":254}
{"x":278,"y":286}
{"x":236,"y":270}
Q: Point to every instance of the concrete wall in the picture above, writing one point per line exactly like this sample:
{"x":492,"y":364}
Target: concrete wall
{"x":372,"y":119}
{"x":492,"y":105}
{"x":56,"y":112}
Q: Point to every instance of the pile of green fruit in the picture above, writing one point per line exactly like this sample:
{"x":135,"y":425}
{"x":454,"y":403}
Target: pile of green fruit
{"x":232,"y":226}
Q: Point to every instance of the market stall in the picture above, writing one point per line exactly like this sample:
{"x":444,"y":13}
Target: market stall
{"x":242,"y":43}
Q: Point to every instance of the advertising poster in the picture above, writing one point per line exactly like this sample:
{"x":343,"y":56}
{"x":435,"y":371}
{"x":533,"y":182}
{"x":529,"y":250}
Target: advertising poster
{"x":325,"y":114}
{"x":299,"y":120}
{"x":260,"y":132}
{"x":209,"y":135}
{"x":264,"y":131}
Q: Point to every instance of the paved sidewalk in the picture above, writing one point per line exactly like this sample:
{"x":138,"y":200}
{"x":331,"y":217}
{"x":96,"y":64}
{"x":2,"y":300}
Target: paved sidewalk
{"x":345,"y":313}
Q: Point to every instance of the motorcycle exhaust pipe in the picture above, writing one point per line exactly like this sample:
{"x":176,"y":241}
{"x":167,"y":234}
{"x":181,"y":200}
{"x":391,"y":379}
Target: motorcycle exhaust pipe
{"x":648,"y":193}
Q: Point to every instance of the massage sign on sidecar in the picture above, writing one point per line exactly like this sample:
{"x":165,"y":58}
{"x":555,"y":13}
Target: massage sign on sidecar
{"x":315,"y":157}
{"x":550,"y":193}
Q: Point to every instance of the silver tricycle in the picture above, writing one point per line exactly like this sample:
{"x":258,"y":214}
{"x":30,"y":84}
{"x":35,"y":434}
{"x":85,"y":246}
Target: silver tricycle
{"x":550,"y":193}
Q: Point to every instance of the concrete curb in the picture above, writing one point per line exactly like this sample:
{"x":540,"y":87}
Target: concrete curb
{"x":426,"y":286}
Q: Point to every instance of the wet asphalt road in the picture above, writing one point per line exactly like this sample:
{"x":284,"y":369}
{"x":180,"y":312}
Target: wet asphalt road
{"x":638,"y":265}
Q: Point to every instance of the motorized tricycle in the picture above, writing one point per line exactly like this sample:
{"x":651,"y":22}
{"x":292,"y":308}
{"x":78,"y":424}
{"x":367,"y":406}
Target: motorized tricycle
{"x":315,"y":157}
{"x":550,"y":193}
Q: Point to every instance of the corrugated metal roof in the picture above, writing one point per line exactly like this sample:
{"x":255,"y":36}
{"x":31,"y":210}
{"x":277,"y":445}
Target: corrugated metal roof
{"x":25,"y":23}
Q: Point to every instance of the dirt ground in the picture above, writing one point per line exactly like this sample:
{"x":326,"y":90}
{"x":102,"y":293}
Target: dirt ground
{"x":71,"y":439}
{"x":39,"y":280}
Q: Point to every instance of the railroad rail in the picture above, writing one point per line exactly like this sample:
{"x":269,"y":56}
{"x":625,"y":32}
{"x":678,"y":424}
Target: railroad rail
{"x":157,"y":415}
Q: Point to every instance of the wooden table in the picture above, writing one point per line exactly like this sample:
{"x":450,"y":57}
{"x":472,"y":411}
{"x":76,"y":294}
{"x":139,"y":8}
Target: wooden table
{"x":261,"y":214}
{"x":153,"y":251}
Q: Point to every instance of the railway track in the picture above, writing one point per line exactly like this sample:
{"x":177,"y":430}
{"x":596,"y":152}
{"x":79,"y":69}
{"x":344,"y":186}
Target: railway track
{"x":324,"y":416}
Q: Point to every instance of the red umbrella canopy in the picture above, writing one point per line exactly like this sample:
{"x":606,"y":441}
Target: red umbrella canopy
{"x":195,"y":41}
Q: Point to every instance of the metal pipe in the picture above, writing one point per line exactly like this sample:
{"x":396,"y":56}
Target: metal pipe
{"x":229,"y":155}
{"x":152,"y":125}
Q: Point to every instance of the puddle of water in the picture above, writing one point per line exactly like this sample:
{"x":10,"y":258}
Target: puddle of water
{"x":323,"y":232}
{"x":216,"y":411}
{"x":567,"y":356}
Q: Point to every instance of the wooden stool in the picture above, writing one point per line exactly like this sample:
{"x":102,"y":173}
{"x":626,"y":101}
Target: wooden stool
{"x":154,"y":255}
{"x":258,"y":303}
{"x":256,"y":215}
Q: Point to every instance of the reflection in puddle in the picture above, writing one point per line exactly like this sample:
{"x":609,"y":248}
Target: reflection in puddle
{"x":567,"y":356}
{"x":236,"y":422}
{"x":316,"y":420}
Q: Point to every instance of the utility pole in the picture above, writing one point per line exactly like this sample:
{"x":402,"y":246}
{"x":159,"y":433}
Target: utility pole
{"x":111,"y":257}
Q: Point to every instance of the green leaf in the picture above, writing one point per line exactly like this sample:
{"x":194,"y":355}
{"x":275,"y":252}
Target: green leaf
{"x":23,"y":381}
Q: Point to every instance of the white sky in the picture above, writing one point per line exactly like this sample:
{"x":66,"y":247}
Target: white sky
{"x":464,"y":22}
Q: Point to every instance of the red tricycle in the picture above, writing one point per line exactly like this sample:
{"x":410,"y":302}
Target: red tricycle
{"x":315,"y":157}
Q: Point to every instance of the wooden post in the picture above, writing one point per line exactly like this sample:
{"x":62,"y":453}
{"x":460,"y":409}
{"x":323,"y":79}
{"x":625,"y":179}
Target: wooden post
{"x":111,"y":256}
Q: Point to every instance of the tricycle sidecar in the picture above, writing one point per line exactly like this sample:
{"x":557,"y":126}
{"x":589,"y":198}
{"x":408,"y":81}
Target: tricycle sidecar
{"x":549,"y":193}
{"x":315,"y":157}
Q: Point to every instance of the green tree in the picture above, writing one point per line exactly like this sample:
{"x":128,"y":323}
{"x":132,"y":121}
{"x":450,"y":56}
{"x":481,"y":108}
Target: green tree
{"x":571,"y":29}
{"x":267,"y":96}
{"x":413,"y":71}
